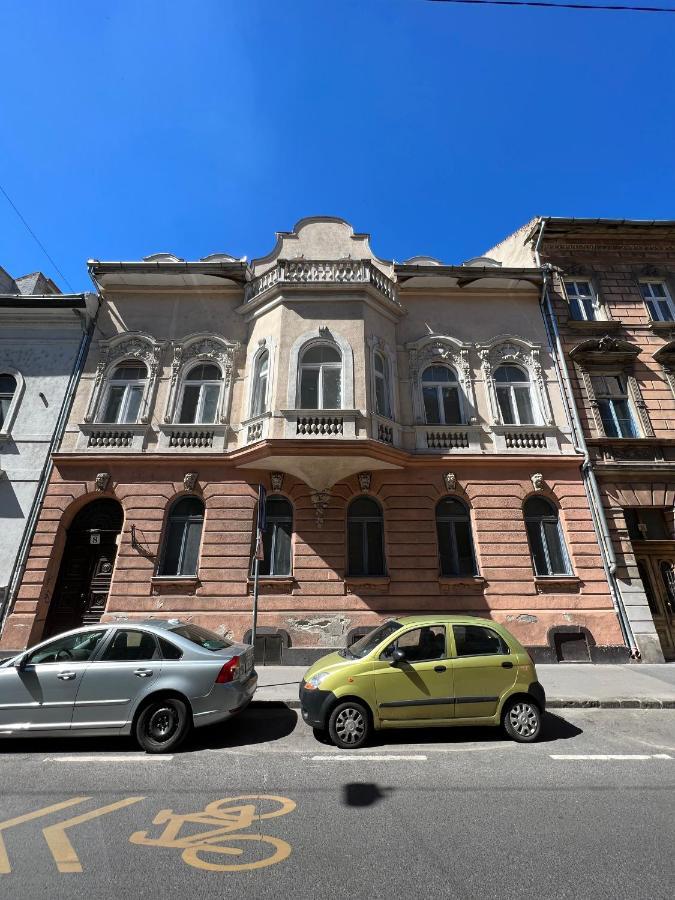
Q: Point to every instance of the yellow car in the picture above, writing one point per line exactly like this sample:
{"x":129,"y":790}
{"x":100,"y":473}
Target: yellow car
{"x":419,"y":671}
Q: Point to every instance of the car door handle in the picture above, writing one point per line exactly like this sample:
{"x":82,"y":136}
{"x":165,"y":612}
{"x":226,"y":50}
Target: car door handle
{"x":66,"y":676}
{"x":143,"y":673}
{"x":439,"y":668}
{"x":507,"y":665}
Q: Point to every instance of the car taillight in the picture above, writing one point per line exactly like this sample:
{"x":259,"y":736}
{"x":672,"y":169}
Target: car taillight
{"x":229,"y":671}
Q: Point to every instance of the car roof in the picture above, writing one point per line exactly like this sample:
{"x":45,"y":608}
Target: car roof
{"x":445,"y":619}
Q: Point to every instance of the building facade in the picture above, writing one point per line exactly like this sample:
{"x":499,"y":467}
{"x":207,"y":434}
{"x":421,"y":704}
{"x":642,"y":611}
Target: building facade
{"x":42,"y":336}
{"x":611,"y":288}
{"x":406,"y":420}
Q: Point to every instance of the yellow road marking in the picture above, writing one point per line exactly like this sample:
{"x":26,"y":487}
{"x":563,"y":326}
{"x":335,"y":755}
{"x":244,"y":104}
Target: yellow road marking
{"x":64,"y":854}
{"x":5,"y":867}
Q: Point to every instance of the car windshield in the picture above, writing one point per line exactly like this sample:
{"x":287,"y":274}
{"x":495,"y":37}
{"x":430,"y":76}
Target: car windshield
{"x":369,"y":641}
{"x":209,"y":640}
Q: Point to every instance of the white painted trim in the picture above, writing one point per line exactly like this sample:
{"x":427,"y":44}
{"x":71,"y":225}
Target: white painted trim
{"x":320,"y":336}
{"x":6,"y":430}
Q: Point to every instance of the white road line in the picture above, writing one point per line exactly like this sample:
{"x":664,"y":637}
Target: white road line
{"x":107,"y":759}
{"x":359,"y":757}
{"x":259,"y":748}
{"x":607,"y":756}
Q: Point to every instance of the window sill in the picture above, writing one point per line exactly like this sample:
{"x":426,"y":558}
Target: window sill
{"x":554,"y":584}
{"x":272,"y":584}
{"x":174,"y":584}
{"x":367,"y":584}
{"x":461,"y":583}
{"x":660,"y":327}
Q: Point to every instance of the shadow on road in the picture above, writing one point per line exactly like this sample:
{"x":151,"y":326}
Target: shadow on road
{"x":364,"y":793}
{"x":253,"y":726}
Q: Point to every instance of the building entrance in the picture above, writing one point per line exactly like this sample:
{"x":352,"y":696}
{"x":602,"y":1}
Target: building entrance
{"x":657,"y":570}
{"x":86,"y":569}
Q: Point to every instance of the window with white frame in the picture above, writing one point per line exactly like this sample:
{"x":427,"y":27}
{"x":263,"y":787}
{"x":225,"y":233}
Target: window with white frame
{"x":8,"y":387}
{"x":321,"y":377}
{"x":514,"y":396}
{"x":200,"y":394}
{"x":441,"y":395}
{"x":611,"y":393}
{"x":180,"y":555}
{"x":382,"y":385}
{"x":260,"y":379}
{"x":582,"y":300}
{"x":545,"y":536}
{"x":658,"y":301}
{"x":124,"y":394}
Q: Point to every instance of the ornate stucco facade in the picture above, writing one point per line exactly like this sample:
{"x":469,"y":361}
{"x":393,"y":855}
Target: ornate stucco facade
{"x":405,"y":418}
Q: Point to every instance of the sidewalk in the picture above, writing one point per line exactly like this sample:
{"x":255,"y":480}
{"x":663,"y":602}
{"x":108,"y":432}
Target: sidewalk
{"x":637,"y":686}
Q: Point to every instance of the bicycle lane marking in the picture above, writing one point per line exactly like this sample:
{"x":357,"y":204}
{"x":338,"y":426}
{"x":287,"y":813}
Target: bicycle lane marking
{"x":5,"y":867}
{"x":225,"y":821}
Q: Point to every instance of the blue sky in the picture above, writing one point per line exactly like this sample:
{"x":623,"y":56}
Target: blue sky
{"x":204,"y":126}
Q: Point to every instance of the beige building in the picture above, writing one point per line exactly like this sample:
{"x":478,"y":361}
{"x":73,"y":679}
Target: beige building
{"x":406,"y":420}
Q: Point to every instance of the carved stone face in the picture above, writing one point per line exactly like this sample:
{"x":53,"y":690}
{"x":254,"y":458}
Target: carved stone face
{"x":189,"y":481}
{"x":364,"y":480}
{"x":101,"y":481}
{"x":450,"y":480}
{"x":537,"y":481}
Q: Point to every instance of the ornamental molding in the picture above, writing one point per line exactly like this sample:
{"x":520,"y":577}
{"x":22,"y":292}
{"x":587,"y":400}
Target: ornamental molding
{"x":201,"y":347}
{"x":445,"y":350}
{"x":277,"y":481}
{"x":509,"y":349}
{"x":320,"y":501}
{"x":133,"y":345}
{"x":450,"y":481}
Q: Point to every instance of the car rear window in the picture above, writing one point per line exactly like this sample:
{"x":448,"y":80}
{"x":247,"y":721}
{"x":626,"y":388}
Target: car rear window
{"x":209,"y":640}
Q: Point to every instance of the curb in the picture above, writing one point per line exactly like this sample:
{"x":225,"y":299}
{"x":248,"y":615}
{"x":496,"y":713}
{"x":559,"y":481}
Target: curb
{"x":553,"y":703}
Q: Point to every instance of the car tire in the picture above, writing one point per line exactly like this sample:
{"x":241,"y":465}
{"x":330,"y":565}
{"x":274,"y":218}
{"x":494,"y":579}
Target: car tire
{"x":349,"y":725}
{"x":162,"y":725}
{"x":522,"y":720}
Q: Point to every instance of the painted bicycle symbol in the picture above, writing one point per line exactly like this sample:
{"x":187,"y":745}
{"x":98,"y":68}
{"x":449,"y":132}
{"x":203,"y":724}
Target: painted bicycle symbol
{"x":225,"y":821}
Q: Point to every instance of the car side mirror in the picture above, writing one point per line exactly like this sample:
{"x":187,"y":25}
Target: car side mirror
{"x":397,"y":656}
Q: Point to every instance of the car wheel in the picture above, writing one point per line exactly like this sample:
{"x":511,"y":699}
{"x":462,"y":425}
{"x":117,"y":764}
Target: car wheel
{"x":522,"y":720}
{"x":349,"y":725}
{"x":162,"y":725}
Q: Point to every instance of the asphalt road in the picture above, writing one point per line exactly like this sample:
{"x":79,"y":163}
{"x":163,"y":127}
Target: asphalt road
{"x":434,"y":814}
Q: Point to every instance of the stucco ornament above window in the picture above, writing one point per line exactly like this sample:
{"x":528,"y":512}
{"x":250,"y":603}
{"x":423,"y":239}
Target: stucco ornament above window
{"x":195,"y":348}
{"x":129,"y":346}
{"x":508,"y":350}
{"x":448,"y":351}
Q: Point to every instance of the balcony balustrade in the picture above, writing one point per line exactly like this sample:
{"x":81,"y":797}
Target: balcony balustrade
{"x":342,"y":271}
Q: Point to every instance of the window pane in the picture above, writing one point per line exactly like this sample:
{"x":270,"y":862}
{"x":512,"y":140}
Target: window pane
{"x":438,"y":373}
{"x":112,"y":409}
{"x":73,"y":648}
{"x":556,"y":554}
{"x":309,"y":389}
{"x":658,"y":289}
{"x":474,"y":640}
{"x":259,"y":395}
{"x":379,"y":363}
{"x":174,"y":539}
{"x":131,"y":646}
{"x":524,"y":404}
{"x":431,"y":410}
{"x":421,"y":644}
{"x":282,"y":549}
{"x":609,"y":424}
{"x":204,"y":372}
{"x":130,"y":372}
{"x":265,"y":566}
{"x":188,"y":410}
{"x":624,"y":418}
{"x":444,"y":531}
{"x":451,"y":406}
{"x":191,"y":550}
{"x":510,"y":375}
{"x":169,"y":650}
{"x":664,"y":309}
{"x":7,"y":384}
{"x":380,"y":397}
{"x":210,"y":393}
{"x":134,"y":397}
{"x":537,"y":548}
{"x":575,"y":310}
{"x":356,"y":561}
{"x":589,"y":309}
{"x":5,"y":403}
{"x":464,"y":545}
{"x":332,"y":398}
{"x":505,"y":405}
{"x":375,"y":562}
{"x":322,"y":353}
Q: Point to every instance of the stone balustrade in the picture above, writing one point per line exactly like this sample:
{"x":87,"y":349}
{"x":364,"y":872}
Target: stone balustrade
{"x":342,"y":271}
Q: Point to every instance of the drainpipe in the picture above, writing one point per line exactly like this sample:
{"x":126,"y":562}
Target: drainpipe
{"x":46,"y":472}
{"x":579,"y":442}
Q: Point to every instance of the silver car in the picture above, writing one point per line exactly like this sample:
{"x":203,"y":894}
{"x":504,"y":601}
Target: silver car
{"x":154,"y":679}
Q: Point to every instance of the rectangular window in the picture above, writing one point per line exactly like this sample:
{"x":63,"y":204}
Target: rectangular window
{"x":534,"y":533}
{"x":611,"y":393}
{"x":474,"y":640}
{"x":451,"y":406}
{"x":133,"y":404}
{"x":658,"y":301}
{"x":211,"y":393}
{"x":646,"y":524}
{"x":114,"y":404}
{"x":309,"y":389}
{"x":431,"y":411}
{"x":505,"y":406}
{"x":276,"y":549}
{"x":331,"y":388}
{"x":381,"y":404}
{"x":582,"y":301}
{"x":524,"y":404}
{"x":188,"y":410}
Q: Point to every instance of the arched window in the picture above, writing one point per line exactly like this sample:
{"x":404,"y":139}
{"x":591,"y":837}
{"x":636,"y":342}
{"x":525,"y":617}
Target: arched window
{"x":321,"y":377}
{"x":277,"y":537}
{"x":260,"y":377}
{"x":125,"y":393}
{"x":8,"y":387}
{"x":183,"y":537}
{"x":455,"y":545}
{"x":547,"y":545}
{"x":440,"y":391}
{"x":365,"y":538}
{"x":200,"y":395}
{"x":514,"y":396}
{"x":382,"y":385}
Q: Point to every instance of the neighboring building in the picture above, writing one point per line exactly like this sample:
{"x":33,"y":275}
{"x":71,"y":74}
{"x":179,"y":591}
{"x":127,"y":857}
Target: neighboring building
{"x":612,"y":290}
{"x":42,"y":334}
{"x":406,"y":420}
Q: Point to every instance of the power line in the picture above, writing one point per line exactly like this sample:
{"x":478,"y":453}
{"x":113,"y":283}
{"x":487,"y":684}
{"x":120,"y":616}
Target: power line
{"x":549,"y":5}
{"x":36,"y":238}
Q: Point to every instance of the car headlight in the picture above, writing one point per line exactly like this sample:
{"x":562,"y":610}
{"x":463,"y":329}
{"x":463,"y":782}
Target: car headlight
{"x":312,"y":684}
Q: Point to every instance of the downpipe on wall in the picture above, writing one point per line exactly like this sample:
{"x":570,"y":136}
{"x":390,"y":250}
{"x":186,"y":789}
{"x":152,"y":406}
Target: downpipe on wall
{"x":587,"y":474}
{"x":29,"y":531}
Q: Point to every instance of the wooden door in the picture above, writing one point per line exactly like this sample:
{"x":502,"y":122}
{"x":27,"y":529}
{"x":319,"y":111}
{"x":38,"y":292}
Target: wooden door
{"x":657,"y":571}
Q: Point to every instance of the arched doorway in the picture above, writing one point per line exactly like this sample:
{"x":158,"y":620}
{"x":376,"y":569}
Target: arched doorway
{"x":87,"y":564}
